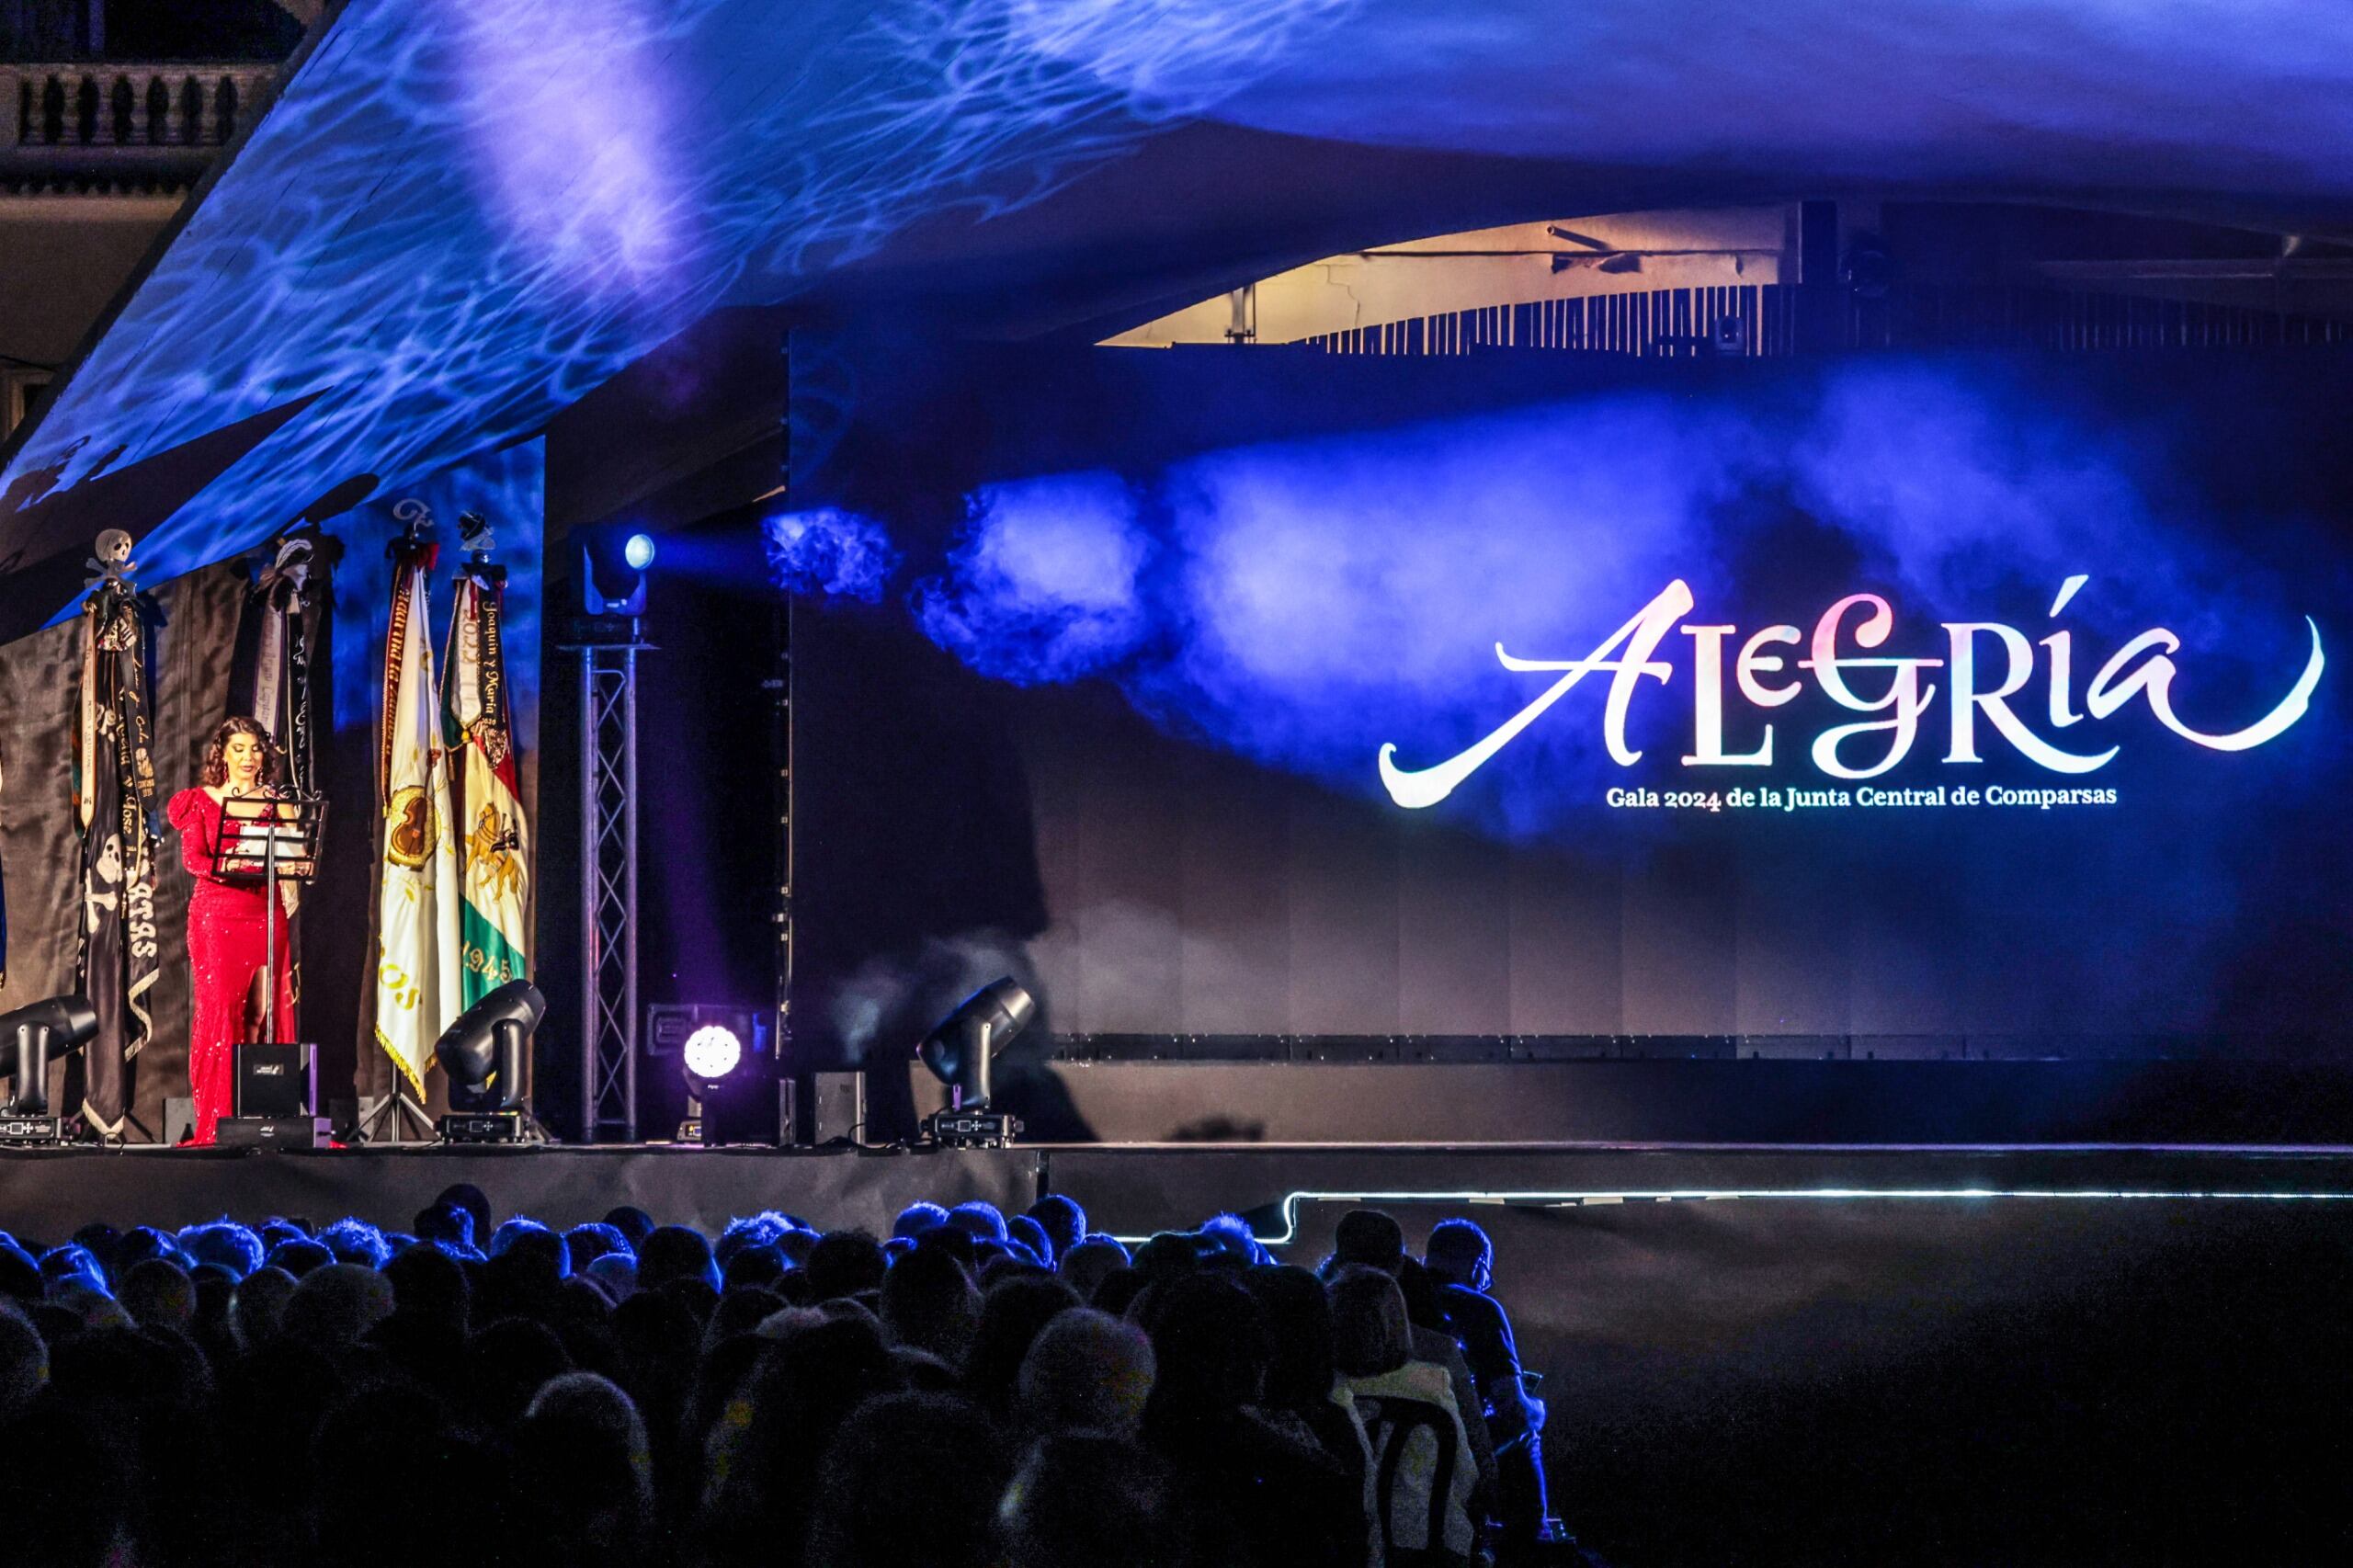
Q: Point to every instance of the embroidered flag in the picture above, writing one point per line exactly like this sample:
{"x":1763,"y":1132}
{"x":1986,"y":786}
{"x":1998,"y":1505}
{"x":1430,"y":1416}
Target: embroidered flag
{"x":494,"y":846}
{"x":417,"y":930}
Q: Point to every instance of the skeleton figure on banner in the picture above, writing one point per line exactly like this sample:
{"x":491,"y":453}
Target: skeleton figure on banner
{"x":113,"y":798}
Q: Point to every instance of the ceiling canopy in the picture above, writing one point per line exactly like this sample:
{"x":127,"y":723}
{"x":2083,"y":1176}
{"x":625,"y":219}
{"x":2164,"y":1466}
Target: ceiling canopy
{"x":460,"y":216}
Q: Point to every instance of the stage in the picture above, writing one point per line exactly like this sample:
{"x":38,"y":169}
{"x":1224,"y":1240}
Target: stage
{"x":1130,"y":1190}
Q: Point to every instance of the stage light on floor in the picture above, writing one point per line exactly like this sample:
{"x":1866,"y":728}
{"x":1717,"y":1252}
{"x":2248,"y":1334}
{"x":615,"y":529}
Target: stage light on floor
{"x":710,"y":1054}
{"x":486,"y":1046}
{"x":30,"y":1038}
{"x":959,"y":1051}
{"x":638,"y":551}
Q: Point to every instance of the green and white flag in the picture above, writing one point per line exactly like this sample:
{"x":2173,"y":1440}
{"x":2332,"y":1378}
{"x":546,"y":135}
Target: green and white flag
{"x":493,"y":843}
{"x":417,"y":932}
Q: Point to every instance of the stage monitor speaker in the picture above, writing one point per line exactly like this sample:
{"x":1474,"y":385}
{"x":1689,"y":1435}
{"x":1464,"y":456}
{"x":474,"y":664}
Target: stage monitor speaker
{"x":837,"y":1110}
{"x":273,"y":1132}
{"x":277,"y":1080}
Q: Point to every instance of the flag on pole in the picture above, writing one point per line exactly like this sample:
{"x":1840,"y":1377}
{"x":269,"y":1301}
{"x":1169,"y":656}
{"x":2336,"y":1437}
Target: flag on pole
{"x":115,"y":791}
{"x":417,"y":927}
{"x":493,"y":859}
{"x":269,"y":682}
{"x":269,"y":679}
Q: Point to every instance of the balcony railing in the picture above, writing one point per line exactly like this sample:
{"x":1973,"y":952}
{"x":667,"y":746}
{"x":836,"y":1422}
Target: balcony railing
{"x":126,"y":110}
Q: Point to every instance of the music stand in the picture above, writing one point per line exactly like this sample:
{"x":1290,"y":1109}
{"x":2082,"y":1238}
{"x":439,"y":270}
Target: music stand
{"x":277,"y":839}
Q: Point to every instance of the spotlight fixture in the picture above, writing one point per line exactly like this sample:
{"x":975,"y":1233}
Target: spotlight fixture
{"x":612,"y":588}
{"x":31,"y":1037}
{"x":710,"y":1054}
{"x":484,"y":1047}
{"x":959,"y":1051}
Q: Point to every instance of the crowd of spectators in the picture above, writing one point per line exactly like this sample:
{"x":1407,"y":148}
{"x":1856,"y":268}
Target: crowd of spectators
{"x":974,"y":1390}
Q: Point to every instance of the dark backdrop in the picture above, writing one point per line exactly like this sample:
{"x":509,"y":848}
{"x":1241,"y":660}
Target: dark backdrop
{"x":1162,"y":849}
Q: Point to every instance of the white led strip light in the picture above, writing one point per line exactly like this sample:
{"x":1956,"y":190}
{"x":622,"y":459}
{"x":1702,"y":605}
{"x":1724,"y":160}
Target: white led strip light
{"x":1568,"y":1200}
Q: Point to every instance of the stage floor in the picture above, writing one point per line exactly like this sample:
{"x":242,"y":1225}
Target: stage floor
{"x":1765,"y":1354}
{"x":1131,"y":1190}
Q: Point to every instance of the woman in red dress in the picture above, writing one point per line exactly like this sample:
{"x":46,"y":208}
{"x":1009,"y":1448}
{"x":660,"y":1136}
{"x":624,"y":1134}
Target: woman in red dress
{"x":227,"y":943}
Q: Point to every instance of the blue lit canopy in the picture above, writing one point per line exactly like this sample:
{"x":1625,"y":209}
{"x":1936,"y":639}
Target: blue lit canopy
{"x":462,"y":215}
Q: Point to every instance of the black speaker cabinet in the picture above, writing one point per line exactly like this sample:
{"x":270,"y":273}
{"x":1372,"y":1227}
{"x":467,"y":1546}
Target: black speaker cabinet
{"x":277,"y":1080}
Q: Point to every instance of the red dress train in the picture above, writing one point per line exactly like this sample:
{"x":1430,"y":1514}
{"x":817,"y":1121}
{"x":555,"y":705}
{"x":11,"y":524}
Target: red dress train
{"x":226,"y":949}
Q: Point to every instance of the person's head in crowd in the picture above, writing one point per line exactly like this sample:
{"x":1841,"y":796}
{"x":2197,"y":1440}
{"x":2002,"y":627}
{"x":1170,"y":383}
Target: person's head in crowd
{"x":1120,"y":1291}
{"x":752,"y":1269}
{"x":917,"y":1218}
{"x":335,"y":1306}
{"x":983,"y":1220}
{"x":1171,"y":1254}
{"x":300,"y":1256}
{"x":583,"y":1487}
{"x":429,"y":1285}
{"x":1299,"y":1324}
{"x":1370,"y":1239}
{"x":634,"y":1223}
{"x":224,"y":1244}
{"x":1084,"y":1264}
{"x":591,"y":1241}
{"x":528,"y":1235}
{"x":1022,"y":1228}
{"x":356,"y":1241}
{"x":674,"y":1252}
{"x":616,"y":1272}
{"x":1089,"y":1500}
{"x":1371,"y":1334}
{"x":259,"y":1306}
{"x":928,"y":1302}
{"x":1086,"y":1369}
{"x":863,"y":1518}
{"x":1061,"y":1218}
{"x":1209,"y":1344}
{"x":85,"y":1306}
{"x":142,"y":1243}
{"x":24,"y":1363}
{"x":797,"y":1245}
{"x":446,"y":1224}
{"x":956,"y":1241}
{"x":20,"y":1277}
{"x":845,"y":1263}
{"x":1012,"y":1313}
{"x":739,"y":1313}
{"x":1458,"y":1253}
{"x":1425,"y":1308}
{"x":506,"y":1363}
{"x":70,"y":1263}
{"x":213,"y":1288}
{"x":391,"y":1431}
{"x":465,"y":1195}
{"x":158,"y":1295}
{"x":99,"y":1240}
{"x":764,"y":1453}
{"x":275,"y":1233}
{"x":747,"y":1231}
{"x":1229,"y":1236}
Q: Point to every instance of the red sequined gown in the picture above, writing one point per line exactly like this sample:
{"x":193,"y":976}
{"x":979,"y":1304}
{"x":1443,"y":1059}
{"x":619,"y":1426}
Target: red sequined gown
{"x":226,"y":949}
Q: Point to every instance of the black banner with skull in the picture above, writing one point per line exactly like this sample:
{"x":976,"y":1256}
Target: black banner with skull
{"x":116,"y":792}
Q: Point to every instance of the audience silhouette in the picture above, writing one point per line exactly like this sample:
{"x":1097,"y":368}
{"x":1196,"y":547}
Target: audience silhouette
{"x":980,"y":1388}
